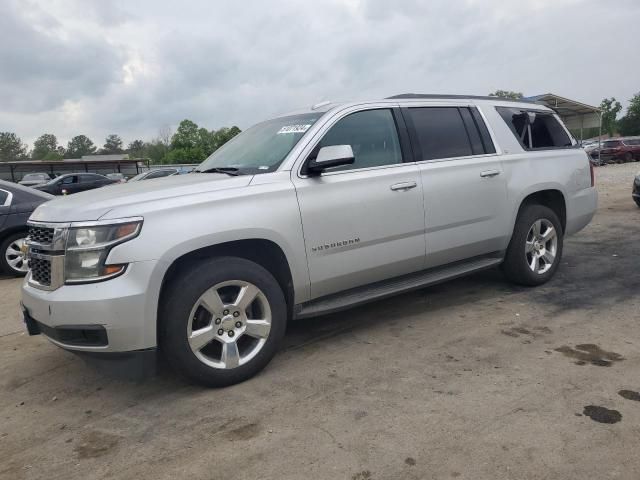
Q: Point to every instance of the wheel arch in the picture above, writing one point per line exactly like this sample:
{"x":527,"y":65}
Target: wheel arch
{"x":553,"y":198}
{"x":8,"y":231}
{"x":264,"y":252}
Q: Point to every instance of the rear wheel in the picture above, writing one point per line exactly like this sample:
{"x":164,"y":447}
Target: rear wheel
{"x":13,"y":260}
{"x":637,"y":200}
{"x":535,"y":249}
{"x":221,"y":322}
{"x":628,"y":157}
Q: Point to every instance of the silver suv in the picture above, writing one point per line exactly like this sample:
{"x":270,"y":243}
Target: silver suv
{"x":308,"y":213}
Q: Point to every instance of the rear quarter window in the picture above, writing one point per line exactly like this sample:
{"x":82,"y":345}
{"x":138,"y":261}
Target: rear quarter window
{"x":535,"y":129}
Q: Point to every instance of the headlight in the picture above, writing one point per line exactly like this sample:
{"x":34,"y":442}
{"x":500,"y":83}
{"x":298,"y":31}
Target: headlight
{"x":88,"y":246}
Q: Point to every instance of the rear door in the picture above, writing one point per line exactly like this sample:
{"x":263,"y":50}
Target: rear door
{"x":363,"y":222}
{"x":465,"y":196}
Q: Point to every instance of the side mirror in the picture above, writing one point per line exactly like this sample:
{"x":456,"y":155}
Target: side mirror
{"x":328,"y":157}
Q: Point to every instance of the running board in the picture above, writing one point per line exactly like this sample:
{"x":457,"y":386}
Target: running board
{"x":387,"y":288}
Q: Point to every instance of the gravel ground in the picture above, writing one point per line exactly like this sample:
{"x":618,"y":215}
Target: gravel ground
{"x":475,"y":378}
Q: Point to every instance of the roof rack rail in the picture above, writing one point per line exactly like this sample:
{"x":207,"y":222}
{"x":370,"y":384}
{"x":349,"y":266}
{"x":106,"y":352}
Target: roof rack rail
{"x":443,"y":96}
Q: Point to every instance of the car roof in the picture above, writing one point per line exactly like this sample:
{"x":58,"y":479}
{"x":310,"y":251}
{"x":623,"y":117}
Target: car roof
{"x":324,"y":107}
{"x":23,"y":194}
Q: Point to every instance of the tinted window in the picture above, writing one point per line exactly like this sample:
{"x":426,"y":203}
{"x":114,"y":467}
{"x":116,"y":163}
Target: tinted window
{"x":635,"y":141}
{"x":372,"y":135}
{"x":441,"y":132}
{"x":160,"y":173}
{"x":89,"y":178}
{"x":3,"y":197}
{"x":70,"y":179}
{"x":612,"y":144}
{"x":535,"y":129}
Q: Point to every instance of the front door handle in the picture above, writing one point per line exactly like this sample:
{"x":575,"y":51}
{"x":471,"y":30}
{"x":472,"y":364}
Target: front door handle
{"x":403,"y":186}
{"x":489,"y":173}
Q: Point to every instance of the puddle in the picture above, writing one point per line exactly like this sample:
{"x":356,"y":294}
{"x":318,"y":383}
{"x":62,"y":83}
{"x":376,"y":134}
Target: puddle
{"x":601,"y":414}
{"x":590,"y":353}
{"x":630,"y":395}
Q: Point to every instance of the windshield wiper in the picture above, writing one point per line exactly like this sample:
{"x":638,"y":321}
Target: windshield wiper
{"x":228,"y":170}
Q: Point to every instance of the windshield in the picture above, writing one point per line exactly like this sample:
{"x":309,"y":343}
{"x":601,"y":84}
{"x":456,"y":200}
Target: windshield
{"x":263,"y":147}
{"x":35,"y":176}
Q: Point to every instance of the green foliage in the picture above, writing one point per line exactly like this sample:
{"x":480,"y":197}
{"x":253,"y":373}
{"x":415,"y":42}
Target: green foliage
{"x":11,"y":147}
{"x":136,"y":149}
{"x":187,"y":135}
{"x":112,"y":144}
{"x":192,"y":144}
{"x":53,"y":156}
{"x":506,"y":94}
{"x":45,"y":144}
{"x":630,"y":123}
{"x":610,"y":108}
{"x":78,"y":146}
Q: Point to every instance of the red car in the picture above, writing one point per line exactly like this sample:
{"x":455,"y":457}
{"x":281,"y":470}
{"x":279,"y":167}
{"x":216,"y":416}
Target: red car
{"x":620,"y":150}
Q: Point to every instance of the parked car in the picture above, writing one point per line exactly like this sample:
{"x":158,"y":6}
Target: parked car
{"x":301,"y":215}
{"x":16,"y":204}
{"x":635,"y":193}
{"x":156,"y":173}
{"x":119,"y":177}
{"x":620,"y":150}
{"x":74,"y":183}
{"x":33,"y":179}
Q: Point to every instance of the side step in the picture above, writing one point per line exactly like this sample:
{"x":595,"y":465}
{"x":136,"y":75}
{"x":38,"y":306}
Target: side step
{"x":387,"y":288}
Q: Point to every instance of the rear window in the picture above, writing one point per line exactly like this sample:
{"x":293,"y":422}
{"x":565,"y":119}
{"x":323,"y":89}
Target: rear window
{"x":634,"y":141}
{"x":535,"y":129}
{"x":4,"y":195}
{"x":611,"y":144}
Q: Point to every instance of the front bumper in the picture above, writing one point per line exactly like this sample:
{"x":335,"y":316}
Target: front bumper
{"x":123,"y":308}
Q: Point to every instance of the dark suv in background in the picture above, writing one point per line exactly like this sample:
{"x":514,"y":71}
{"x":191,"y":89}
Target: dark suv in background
{"x":75,"y":182}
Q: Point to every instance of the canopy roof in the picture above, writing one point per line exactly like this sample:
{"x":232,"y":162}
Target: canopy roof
{"x":575,"y":115}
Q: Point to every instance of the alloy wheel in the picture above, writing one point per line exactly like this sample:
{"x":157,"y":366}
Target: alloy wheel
{"x":541,"y":246}
{"x":229,"y":324}
{"x":14,"y":256}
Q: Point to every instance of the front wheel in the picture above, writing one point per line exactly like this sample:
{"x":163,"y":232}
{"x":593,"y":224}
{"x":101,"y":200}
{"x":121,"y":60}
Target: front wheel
{"x":535,"y":249}
{"x":13,"y":260}
{"x":221,"y":321}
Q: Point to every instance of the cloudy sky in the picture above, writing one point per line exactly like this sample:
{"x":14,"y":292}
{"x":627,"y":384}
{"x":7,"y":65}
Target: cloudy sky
{"x":132,"y":67}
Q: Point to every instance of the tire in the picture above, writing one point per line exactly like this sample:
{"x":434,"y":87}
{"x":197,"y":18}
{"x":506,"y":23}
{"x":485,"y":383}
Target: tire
{"x":526,"y":251}
{"x":637,"y":200}
{"x":628,"y":157}
{"x":11,"y":259}
{"x":190,"y":306}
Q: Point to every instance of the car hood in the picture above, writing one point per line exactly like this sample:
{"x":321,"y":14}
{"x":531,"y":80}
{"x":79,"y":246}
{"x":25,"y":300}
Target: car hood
{"x":93,"y":204}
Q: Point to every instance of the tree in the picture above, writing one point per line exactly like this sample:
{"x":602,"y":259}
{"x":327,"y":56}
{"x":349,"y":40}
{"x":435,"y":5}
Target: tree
{"x":223,"y":135}
{"x":136,"y":149}
{"x":189,"y":144}
{"x":506,"y":94}
{"x":11,"y":147}
{"x":187,"y":135}
{"x":45,"y":144}
{"x":630,"y":123}
{"x":155,"y":151}
{"x":78,"y":146}
{"x":610,"y":108}
{"x":53,"y":156}
{"x":112,"y":144}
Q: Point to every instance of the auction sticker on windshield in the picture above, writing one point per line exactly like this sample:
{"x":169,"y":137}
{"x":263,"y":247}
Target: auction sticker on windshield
{"x":293,"y":129}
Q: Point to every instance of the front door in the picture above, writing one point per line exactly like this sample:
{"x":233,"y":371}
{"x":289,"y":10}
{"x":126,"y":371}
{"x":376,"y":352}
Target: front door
{"x":363,"y":222}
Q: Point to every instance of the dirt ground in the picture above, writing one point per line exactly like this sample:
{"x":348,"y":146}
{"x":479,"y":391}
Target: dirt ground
{"x":474,"y":379}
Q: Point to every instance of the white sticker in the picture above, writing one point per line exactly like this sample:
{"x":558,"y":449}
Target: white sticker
{"x":293,"y":129}
{"x":263,"y":167}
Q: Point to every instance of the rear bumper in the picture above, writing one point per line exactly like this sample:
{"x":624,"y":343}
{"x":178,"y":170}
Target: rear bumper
{"x":581,"y":207}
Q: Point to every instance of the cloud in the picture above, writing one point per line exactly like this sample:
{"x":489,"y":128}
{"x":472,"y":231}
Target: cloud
{"x":71,"y":66}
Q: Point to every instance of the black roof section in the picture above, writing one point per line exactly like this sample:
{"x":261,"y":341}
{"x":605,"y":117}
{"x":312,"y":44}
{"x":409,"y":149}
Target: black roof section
{"x":459,"y":97}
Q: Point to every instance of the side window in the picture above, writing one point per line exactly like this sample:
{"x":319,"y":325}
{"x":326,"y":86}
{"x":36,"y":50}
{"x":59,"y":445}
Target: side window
{"x":373,"y":136}
{"x":160,"y":173}
{"x":535,"y":129}
{"x":88,"y":178}
{"x":441,"y":132}
{"x":4,"y":196}
{"x":69,"y":180}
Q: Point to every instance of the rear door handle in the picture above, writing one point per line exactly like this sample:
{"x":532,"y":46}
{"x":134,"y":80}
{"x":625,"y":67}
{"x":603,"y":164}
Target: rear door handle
{"x":403,"y":186}
{"x":489,"y":173}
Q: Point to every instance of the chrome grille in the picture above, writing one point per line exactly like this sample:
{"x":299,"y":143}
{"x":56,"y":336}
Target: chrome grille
{"x":42,"y":235}
{"x":40,"y":270}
